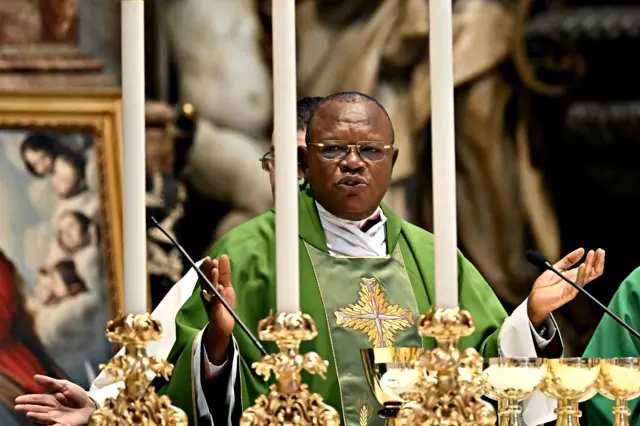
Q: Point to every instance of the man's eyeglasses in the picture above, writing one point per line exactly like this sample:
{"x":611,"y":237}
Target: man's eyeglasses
{"x":268,"y":163}
{"x":370,"y":151}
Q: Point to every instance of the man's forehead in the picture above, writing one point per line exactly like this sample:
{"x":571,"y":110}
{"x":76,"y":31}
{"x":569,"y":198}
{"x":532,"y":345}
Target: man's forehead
{"x":338,"y":110}
{"x":339,"y":115}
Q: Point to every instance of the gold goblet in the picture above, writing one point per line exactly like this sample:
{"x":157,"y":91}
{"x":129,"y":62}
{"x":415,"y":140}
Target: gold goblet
{"x":619,"y":380}
{"x":570,"y":381}
{"x":392,"y":376}
{"x":510,"y":381}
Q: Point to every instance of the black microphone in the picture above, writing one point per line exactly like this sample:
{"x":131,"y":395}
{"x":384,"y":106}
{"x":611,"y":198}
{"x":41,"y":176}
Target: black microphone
{"x":536,"y":258}
{"x":204,"y":278}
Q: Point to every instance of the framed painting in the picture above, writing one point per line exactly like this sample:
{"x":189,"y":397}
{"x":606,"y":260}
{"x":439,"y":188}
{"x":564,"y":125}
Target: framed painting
{"x":61,"y":272}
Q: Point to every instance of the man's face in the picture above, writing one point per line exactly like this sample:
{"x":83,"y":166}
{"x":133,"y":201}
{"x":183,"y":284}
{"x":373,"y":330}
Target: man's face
{"x":351,"y":187}
{"x":272,"y":177}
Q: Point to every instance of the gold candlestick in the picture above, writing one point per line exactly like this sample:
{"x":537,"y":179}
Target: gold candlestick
{"x":289,"y":401}
{"x":619,"y":380}
{"x":137,"y":403}
{"x":452,"y":382}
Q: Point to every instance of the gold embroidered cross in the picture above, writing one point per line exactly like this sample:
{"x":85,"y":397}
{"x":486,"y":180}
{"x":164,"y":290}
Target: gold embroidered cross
{"x":373,"y":315}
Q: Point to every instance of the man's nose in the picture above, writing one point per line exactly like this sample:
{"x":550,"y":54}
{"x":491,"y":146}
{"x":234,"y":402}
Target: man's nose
{"x":352,"y":161}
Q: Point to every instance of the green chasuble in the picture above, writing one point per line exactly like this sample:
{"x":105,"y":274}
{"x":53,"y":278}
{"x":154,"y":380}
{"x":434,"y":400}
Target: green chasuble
{"x":356,"y":302}
{"x":611,"y":340}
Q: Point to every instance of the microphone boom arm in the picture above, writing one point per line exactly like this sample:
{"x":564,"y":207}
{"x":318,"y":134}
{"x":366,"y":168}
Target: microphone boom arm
{"x":537,"y":259}
{"x":213,"y":290}
{"x":596,"y":301}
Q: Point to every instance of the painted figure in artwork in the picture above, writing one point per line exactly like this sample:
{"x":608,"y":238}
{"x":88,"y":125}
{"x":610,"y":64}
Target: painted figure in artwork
{"x":22,"y":355}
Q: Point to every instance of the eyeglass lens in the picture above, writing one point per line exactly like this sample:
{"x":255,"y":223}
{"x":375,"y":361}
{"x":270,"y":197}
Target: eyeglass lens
{"x":337,"y":150}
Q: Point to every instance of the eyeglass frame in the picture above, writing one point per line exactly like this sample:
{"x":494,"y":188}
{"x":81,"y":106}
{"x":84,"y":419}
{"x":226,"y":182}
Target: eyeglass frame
{"x":350,"y":146}
{"x":264,"y":159}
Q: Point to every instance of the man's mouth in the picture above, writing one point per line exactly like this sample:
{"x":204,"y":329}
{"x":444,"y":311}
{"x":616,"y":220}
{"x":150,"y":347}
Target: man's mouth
{"x":352,"y":182}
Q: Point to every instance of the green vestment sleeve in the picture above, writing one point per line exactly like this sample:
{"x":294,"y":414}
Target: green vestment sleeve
{"x":611,"y":340}
{"x":252,"y":257}
{"x":476,"y":296}
{"x":251,"y":249}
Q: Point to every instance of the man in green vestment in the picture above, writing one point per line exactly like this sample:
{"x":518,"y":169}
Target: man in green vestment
{"x":352,"y":249}
{"x":611,"y":340}
{"x":361,"y":268}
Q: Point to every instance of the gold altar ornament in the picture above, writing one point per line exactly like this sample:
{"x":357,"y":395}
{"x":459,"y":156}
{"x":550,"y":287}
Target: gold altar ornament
{"x":619,"y":380}
{"x":137,"y":403}
{"x":289,"y":401}
{"x":510,"y":381}
{"x":570,"y":381}
{"x":451,"y":380}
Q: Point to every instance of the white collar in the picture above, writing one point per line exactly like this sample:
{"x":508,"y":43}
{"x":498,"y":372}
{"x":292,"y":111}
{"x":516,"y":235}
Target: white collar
{"x":346,"y":238}
{"x":325,"y":214}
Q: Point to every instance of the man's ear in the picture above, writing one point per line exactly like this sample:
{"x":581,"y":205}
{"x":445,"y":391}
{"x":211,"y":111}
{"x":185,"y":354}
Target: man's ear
{"x":303,"y":161}
{"x":395,"y":156}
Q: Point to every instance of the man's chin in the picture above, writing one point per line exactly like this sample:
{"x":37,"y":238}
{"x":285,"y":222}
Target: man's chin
{"x":356,"y":210}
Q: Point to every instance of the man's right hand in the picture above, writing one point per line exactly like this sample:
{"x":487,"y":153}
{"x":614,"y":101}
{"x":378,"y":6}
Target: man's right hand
{"x":221,"y":322}
{"x":64,"y":404}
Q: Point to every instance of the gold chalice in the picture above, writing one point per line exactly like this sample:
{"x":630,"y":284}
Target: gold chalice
{"x":392,"y":376}
{"x":619,"y":380}
{"x":510,"y":381}
{"x":570,"y":381}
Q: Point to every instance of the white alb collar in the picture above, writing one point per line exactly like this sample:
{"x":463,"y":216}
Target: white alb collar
{"x":330,"y":217}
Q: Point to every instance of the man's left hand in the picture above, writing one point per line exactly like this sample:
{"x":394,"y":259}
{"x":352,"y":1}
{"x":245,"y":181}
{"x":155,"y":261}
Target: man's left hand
{"x":551,"y":292}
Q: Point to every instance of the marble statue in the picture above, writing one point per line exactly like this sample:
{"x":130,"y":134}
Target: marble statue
{"x":216,"y":44}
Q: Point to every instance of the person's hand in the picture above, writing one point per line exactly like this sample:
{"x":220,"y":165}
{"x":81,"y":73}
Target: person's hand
{"x":550,"y":292}
{"x":64,"y":404}
{"x":221,"y":322}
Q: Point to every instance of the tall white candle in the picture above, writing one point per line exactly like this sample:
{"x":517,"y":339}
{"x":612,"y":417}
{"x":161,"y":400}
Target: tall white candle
{"x":133,"y":158}
{"x":443,"y":153}
{"x":284,"y":100}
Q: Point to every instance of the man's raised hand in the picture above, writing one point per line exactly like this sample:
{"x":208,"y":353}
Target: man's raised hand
{"x":550,"y":292}
{"x":221,"y":323}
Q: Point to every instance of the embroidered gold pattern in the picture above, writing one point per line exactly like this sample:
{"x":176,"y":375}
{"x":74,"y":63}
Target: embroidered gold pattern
{"x":373,"y":315}
{"x":364,"y":413}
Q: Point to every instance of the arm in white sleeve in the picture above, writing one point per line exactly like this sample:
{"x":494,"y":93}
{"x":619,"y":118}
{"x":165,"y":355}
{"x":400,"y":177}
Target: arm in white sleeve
{"x":542,"y":340}
{"x":211,"y":371}
{"x":519,"y":339}
{"x":205,"y":372}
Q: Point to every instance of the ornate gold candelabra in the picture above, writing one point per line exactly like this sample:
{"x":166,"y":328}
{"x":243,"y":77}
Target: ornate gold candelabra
{"x":289,"y":401}
{"x":452,"y":381}
{"x":137,"y":403}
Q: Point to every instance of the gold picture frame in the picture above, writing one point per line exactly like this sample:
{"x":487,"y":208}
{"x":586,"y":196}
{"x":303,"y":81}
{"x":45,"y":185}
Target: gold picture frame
{"x":99,"y":112}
